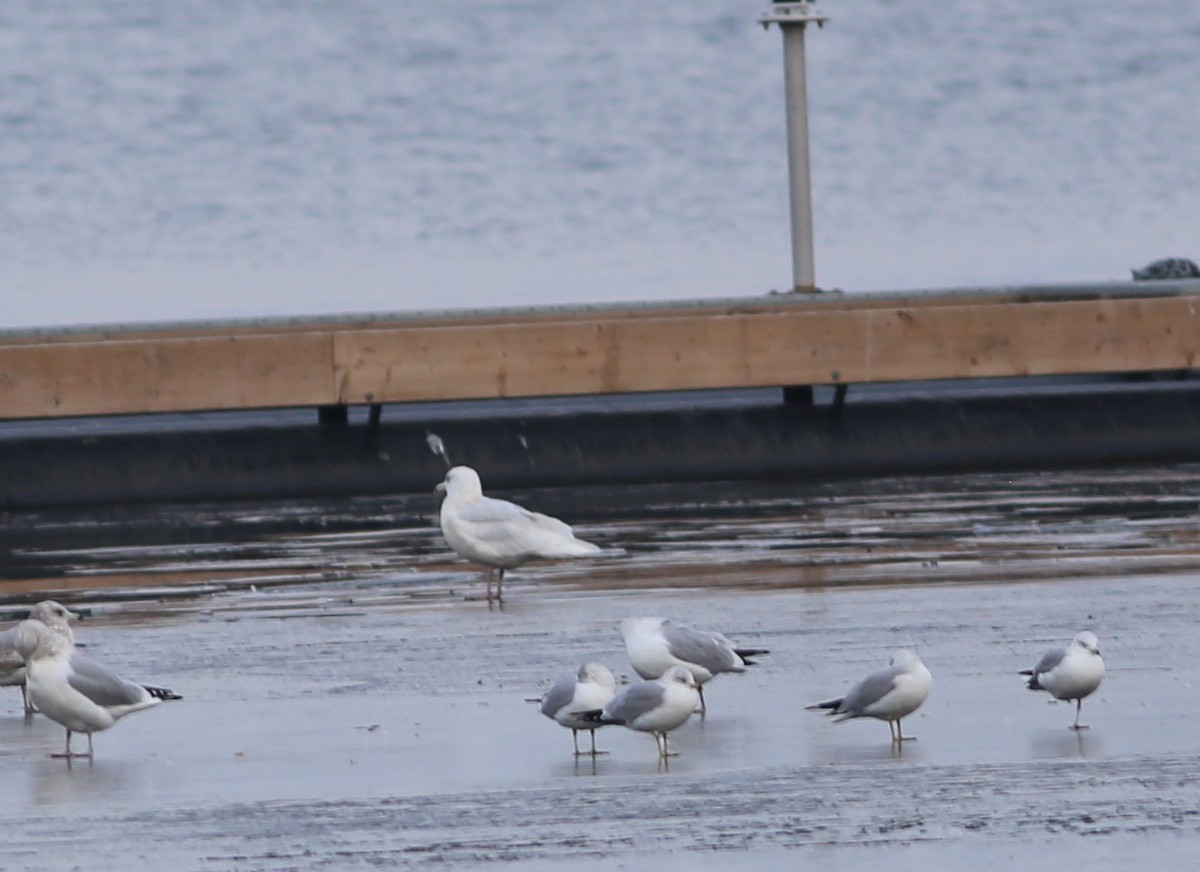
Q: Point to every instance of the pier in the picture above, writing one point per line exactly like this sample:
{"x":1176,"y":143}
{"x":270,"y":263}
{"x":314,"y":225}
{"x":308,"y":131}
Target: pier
{"x":781,"y":341}
{"x":790,"y":385}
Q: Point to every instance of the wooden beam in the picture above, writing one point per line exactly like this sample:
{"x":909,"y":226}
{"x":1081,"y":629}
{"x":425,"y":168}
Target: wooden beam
{"x":786,"y":344}
{"x":104,"y":378}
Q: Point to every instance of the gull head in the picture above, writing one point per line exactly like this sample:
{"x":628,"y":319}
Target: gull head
{"x":681,"y":674}
{"x":461,"y":482}
{"x":597,"y":673}
{"x":1087,"y":641}
{"x":631,"y":626}
{"x":904,"y":659}
{"x":52,"y":614}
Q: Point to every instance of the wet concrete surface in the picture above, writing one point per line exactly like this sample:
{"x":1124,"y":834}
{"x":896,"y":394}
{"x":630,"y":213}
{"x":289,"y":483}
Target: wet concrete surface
{"x":364,"y":713}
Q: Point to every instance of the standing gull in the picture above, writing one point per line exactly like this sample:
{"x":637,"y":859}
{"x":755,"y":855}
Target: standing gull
{"x":79,"y":693}
{"x":19,"y":641}
{"x":654,"y":645}
{"x":1070,"y":673}
{"x":498,"y":534}
{"x":588,"y":689}
{"x":656,"y":707}
{"x":887,"y":694}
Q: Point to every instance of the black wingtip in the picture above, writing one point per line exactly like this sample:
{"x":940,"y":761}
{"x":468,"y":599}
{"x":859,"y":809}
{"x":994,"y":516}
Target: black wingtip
{"x":747,"y":653}
{"x":833,"y":705}
{"x":161,"y":693}
{"x":596,"y":716}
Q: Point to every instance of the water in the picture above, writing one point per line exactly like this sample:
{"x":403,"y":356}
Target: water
{"x":346,"y":707}
{"x":209,"y":158}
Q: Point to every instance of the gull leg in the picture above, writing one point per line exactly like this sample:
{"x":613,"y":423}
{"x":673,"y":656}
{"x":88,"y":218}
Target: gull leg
{"x":29,"y":709}
{"x":1077,"y":725}
{"x":67,"y":750}
{"x":900,"y":737}
{"x":594,"y":751}
{"x":500,"y":585}
{"x":90,"y":755}
{"x":703,"y":707}
{"x":487,"y":575}
{"x":664,"y":752}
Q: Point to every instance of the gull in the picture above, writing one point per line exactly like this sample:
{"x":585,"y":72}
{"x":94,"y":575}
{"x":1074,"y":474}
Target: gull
{"x":656,"y":707}
{"x":498,"y":534}
{"x":654,"y":645}
{"x":80,"y":694}
{"x":1070,"y":673}
{"x":589,"y":689}
{"x":19,"y":641}
{"x":887,"y":694}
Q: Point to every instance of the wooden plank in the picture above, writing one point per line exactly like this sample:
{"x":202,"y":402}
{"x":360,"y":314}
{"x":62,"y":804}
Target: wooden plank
{"x":87,"y":378}
{"x":602,"y":353}
{"x":761,"y":349}
{"x":827,"y":301}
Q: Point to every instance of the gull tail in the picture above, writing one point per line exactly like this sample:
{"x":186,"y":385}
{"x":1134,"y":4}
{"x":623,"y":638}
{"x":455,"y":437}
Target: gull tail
{"x":1033,"y":683}
{"x":161,"y":693}
{"x":747,"y":653}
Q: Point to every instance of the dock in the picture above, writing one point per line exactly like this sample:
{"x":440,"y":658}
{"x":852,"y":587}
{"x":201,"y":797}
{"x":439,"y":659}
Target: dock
{"x":770,"y":386}
{"x":771,"y":341}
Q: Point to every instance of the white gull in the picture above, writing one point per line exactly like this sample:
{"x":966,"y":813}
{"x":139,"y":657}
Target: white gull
{"x":654,"y":645}
{"x":887,"y":694}
{"x":1070,"y":673}
{"x":588,"y":689}
{"x":498,"y":534}
{"x":80,"y":694}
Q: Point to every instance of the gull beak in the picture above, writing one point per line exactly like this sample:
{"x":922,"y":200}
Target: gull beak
{"x":441,"y":488}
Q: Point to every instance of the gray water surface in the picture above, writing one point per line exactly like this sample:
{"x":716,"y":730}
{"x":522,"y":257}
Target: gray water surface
{"x":209,"y":158}
{"x":358,"y":706}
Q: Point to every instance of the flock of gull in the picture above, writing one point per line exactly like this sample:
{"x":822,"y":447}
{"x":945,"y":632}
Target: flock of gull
{"x":674,"y":661}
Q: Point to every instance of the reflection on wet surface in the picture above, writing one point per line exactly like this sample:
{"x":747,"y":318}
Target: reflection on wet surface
{"x":371,"y":715}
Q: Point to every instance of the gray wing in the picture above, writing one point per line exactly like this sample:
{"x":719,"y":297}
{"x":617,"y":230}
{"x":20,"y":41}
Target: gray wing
{"x":558,"y":696}
{"x":635,"y":701}
{"x":869,"y":691}
{"x":703,"y":649}
{"x":1049,"y":660}
{"x":102,"y":686}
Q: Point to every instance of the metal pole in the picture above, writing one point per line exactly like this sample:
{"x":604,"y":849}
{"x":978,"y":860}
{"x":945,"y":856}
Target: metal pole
{"x":793,"y":18}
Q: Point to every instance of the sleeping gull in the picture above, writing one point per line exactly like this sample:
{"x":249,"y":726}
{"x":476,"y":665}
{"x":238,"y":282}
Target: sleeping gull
{"x":655,"y":645}
{"x":79,"y":693}
{"x":1070,"y":673}
{"x":887,"y":694}
{"x":499,"y":534}
{"x":19,"y":641}
{"x":656,"y":707}
{"x":588,"y":689}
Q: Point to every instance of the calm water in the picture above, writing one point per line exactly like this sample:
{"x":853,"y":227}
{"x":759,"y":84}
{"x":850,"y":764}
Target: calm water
{"x":209,"y":158}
